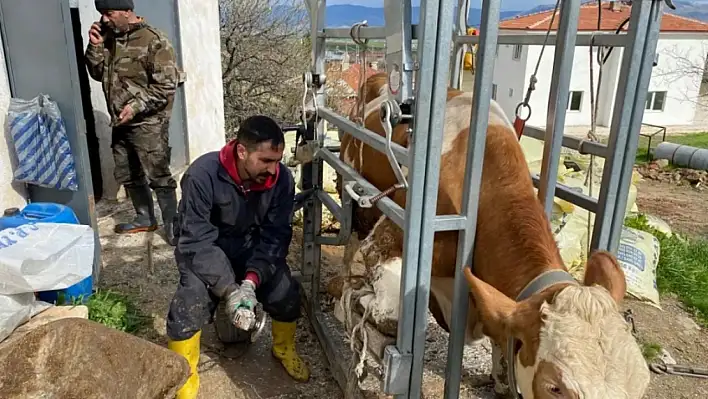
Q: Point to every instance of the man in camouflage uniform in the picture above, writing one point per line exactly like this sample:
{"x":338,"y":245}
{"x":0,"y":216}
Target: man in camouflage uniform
{"x":136,"y":65}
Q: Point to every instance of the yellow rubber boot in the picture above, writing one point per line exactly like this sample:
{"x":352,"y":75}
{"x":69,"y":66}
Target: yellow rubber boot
{"x":284,"y":350}
{"x":189,"y":348}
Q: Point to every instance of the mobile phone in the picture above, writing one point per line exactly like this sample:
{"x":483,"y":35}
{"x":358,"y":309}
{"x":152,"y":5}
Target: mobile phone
{"x":104,"y":27}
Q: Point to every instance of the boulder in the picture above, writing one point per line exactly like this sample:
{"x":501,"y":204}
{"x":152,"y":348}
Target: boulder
{"x":77,"y":358}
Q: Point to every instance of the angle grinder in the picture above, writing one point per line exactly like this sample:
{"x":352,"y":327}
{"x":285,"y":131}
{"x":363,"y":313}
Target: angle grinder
{"x":246,"y":327}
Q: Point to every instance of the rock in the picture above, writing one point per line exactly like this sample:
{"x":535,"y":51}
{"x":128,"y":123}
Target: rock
{"x":666,"y":357}
{"x":661,"y":163}
{"x":73,"y":358}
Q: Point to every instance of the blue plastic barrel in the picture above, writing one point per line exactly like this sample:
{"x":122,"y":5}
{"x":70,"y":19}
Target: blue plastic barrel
{"x":47,"y":212}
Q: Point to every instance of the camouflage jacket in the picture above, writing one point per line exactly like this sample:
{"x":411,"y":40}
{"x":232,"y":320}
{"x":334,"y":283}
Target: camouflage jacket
{"x":136,"y":67}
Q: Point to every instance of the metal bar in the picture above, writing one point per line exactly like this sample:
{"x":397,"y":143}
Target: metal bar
{"x":571,"y":195}
{"x":558,"y":100}
{"x":399,"y":56}
{"x":584,"y":39}
{"x":330,"y":204}
{"x":312,"y":212}
{"x":367,"y":136}
{"x":450,"y":223}
{"x":536,"y":39}
{"x":386,"y":204}
{"x":372,"y":32}
{"x":431,"y":95}
{"x":489,"y":30}
{"x":619,"y":131}
{"x":331,"y":340}
{"x":574,"y":143}
{"x":461,"y":14}
{"x":635,"y":124}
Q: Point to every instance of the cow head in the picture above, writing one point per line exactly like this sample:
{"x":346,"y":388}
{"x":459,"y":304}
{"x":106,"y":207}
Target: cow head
{"x":573,"y":341}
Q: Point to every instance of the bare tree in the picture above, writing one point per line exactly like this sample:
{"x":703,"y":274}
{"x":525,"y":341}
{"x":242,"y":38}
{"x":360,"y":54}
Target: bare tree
{"x":265,"y":51}
{"x":687,"y":70}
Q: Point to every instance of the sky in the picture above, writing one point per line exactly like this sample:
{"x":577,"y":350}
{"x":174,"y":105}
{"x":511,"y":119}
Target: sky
{"x":506,"y":5}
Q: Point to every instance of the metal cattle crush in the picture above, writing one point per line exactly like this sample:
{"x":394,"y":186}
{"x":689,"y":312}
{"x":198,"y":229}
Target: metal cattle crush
{"x":441,"y":38}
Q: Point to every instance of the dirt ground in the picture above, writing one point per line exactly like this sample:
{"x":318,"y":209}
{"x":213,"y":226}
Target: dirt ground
{"x":256,"y":375}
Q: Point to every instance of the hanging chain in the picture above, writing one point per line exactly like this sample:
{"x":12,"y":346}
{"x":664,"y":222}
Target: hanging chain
{"x":355,"y":34}
{"x":519,"y":122}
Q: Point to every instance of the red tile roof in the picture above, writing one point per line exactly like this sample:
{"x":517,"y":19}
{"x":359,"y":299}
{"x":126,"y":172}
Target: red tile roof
{"x":611,"y":20}
{"x":352,"y":75}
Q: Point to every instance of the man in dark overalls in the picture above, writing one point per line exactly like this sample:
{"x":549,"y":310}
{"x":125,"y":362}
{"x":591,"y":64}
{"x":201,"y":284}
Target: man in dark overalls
{"x":233,"y":231}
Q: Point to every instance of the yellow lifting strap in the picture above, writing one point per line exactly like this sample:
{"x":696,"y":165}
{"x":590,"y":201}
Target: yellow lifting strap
{"x":469,"y":55}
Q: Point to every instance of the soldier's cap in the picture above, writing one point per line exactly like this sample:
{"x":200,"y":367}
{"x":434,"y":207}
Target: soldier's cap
{"x":114,"y":5}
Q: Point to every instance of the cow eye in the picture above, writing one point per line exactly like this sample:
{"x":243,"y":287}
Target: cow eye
{"x":553,"y":390}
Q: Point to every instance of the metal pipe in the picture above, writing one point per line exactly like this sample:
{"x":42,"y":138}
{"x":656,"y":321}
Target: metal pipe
{"x":432,"y":85}
{"x":399,"y":49}
{"x":330,"y":204}
{"x":450,"y":222}
{"x":386,"y":204}
{"x":574,"y":143}
{"x":569,"y":194}
{"x":479,"y":122}
{"x":312,"y":212}
{"x":584,"y":39}
{"x":536,"y":39}
{"x":558,"y":101}
{"x":458,"y":50}
{"x":365,"y":135}
{"x":646,"y":64}
{"x":683,"y":155}
{"x":619,"y":131}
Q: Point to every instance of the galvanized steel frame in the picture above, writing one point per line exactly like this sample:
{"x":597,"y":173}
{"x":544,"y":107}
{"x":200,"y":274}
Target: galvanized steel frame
{"x":442,"y":28}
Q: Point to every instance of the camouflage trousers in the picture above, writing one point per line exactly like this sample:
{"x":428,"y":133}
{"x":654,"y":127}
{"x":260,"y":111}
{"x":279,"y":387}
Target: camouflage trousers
{"x":140,"y":152}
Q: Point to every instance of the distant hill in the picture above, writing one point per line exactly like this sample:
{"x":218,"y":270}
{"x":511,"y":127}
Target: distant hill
{"x":346,"y":15}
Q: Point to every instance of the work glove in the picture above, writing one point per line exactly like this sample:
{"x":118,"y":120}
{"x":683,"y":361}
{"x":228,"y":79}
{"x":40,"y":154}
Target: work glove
{"x":243,"y":297}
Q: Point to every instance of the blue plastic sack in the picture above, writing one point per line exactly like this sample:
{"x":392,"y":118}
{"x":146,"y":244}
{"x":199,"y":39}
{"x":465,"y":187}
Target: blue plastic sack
{"x":41,"y":144}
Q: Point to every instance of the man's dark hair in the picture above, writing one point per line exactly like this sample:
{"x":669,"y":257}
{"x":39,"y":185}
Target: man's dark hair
{"x":259,"y":129}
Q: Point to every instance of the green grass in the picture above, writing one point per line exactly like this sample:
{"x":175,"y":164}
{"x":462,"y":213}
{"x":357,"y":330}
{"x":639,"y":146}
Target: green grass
{"x":113,"y":310}
{"x":650,"y":351}
{"x":699,"y":140}
{"x":682,"y":269}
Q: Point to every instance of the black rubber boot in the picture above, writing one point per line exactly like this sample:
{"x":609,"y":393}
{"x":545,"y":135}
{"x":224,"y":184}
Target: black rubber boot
{"x":144,"y":211}
{"x":167,"y":199}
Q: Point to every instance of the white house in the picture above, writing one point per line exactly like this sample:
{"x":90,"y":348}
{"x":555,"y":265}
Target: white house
{"x":675,"y":81}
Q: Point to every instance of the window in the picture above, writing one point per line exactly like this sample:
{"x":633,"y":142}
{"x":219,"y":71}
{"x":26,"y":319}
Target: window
{"x":494,"y":92}
{"x":575,"y":101}
{"x":517,"y":52}
{"x":655,"y":101}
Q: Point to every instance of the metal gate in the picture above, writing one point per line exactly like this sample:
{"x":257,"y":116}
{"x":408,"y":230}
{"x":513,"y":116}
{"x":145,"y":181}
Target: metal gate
{"x":437,"y":33}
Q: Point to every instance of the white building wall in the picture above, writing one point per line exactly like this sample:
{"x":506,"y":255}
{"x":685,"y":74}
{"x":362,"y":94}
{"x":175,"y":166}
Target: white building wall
{"x":679,"y":73}
{"x":204,"y":89}
{"x":11,"y":194}
{"x":676,"y":54}
{"x":579,"y":81}
{"x":510,"y":78}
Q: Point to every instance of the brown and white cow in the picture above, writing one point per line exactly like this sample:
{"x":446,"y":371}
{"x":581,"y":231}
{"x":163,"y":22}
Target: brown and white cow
{"x":573,"y":341}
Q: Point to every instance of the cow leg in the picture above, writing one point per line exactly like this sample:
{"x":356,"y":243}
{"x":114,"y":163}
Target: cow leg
{"x":499,"y":374}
